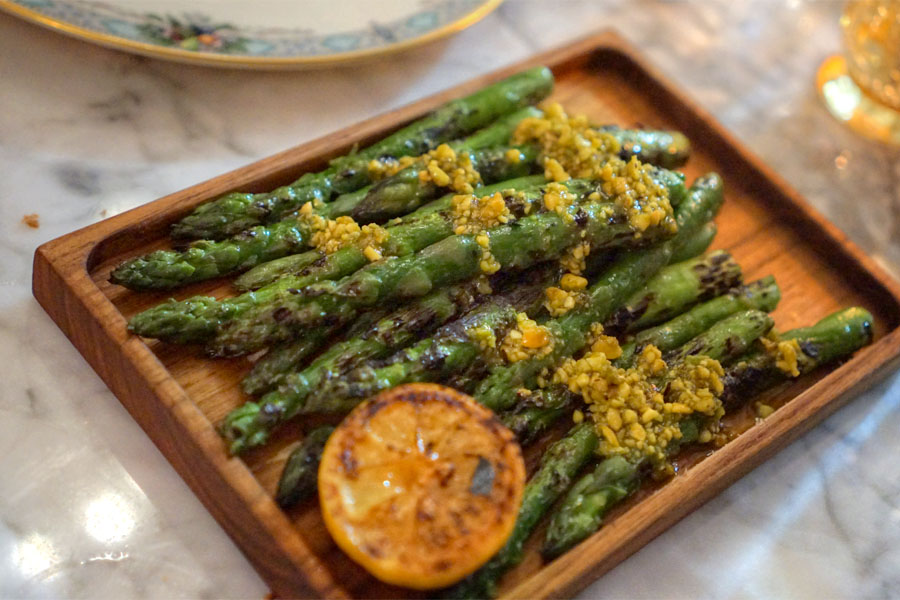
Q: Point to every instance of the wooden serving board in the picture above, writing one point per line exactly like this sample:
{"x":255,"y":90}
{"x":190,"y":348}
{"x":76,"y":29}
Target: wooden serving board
{"x":179,"y":397}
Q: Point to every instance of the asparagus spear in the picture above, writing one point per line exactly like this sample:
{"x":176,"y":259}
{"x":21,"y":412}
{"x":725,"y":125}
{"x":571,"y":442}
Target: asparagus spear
{"x":299,"y":479}
{"x":208,"y":259}
{"x":678,"y":284}
{"x":587,"y":502}
{"x":290,"y":357}
{"x":406,"y":191}
{"x":536,"y":411}
{"x":197,"y":319}
{"x":238,"y":211}
{"x":250,"y":424}
{"x":835,"y":336}
{"x":696,"y":245}
{"x":667,"y":149}
{"x":614,"y":287}
{"x":729,"y":338}
{"x":513,"y":246}
{"x":559,"y":465}
{"x":760,"y":295}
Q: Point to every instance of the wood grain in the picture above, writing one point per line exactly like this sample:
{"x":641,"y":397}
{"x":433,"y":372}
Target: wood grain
{"x":178,"y":396}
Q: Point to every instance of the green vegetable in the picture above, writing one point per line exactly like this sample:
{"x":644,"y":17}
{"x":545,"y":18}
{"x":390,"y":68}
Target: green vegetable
{"x":674,"y":289}
{"x":729,"y":338}
{"x":834,"y":337}
{"x":414,"y":232}
{"x":279,"y":361}
{"x":667,"y":149}
{"x":534,"y":412}
{"x":197,"y":319}
{"x":514,"y":246}
{"x":559,"y":465}
{"x":207,"y":259}
{"x":404,"y":192}
{"x":696,"y":245}
{"x":299,"y":480}
{"x":250,"y":424}
{"x":451,"y":350}
{"x":760,"y":295}
{"x":586,"y":503}
{"x":582,"y":510}
{"x":483,"y":582}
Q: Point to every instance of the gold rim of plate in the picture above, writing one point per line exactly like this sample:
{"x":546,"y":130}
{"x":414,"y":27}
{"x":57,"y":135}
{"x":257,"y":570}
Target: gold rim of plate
{"x":243,"y":61}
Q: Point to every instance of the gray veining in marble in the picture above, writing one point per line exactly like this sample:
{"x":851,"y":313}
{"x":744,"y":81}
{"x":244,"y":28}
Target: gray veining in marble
{"x":88,"y":506}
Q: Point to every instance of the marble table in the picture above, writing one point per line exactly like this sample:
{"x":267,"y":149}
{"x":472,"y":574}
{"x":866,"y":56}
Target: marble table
{"x":88,"y":506}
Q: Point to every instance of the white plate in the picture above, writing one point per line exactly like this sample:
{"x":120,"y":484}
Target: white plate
{"x":262,"y":34}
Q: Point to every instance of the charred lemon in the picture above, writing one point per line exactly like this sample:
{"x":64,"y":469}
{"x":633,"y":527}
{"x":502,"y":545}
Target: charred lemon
{"x":421,"y":485}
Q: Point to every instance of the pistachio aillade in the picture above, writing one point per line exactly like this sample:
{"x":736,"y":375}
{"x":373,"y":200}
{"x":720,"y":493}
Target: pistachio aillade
{"x":410,"y":188}
{"x":534,"y":411}
{"x":834,"y":337}
{"x":625,"y":277}
{"x":669,"y":149}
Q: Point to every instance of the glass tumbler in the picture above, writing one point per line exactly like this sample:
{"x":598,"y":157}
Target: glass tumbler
{"x":862,"y":86}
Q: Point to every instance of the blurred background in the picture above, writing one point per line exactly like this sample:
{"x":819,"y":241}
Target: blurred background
{"x":88,"y":506}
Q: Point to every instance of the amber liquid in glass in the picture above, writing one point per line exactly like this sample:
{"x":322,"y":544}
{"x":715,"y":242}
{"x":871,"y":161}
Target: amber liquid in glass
{"x":871,"y":31}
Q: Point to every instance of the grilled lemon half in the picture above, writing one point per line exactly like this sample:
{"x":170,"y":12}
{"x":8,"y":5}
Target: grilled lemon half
{"x":421,"y":485}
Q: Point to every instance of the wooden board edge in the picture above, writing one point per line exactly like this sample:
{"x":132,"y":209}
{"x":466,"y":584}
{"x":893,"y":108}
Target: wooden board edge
{"x":682,"y":495}
{"x":177,"y":427}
